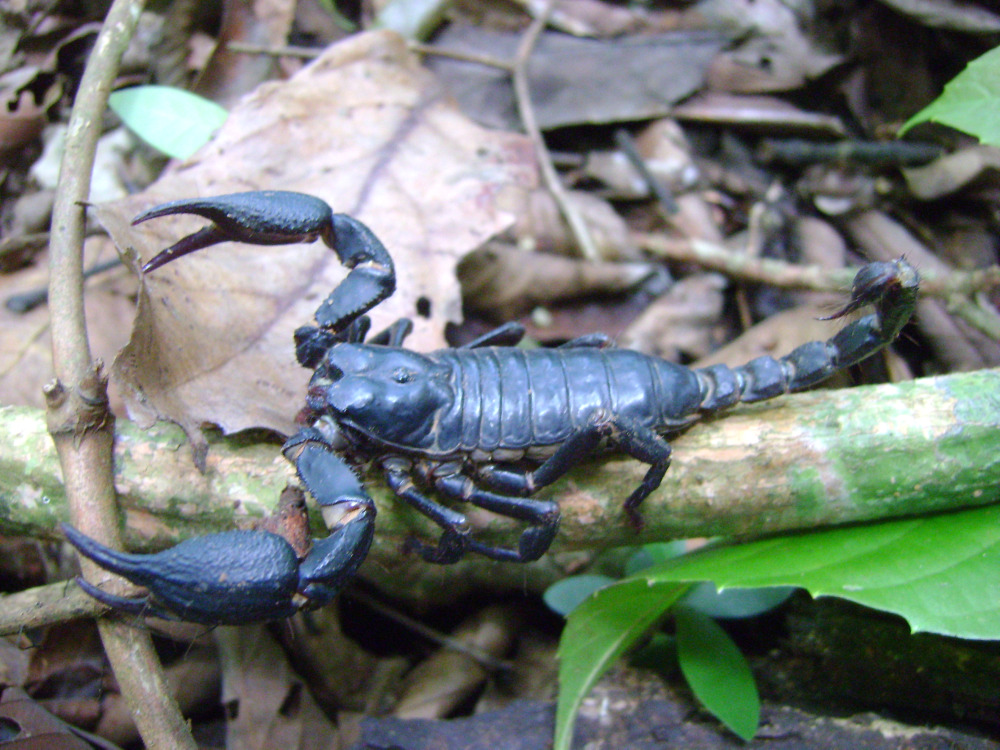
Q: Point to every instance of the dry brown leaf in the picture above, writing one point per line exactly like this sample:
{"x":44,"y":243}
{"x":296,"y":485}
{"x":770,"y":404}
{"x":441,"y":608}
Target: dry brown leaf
{"x":25,"y":346}
{"x":447,"y":678}
{"x":542,"y":226}
{"x":756,"y":113}
{"x":267,"y":704}
{"x":507,"y":282}
{"x":774,"y":52}
{"x":966,"y":17}
{"x":776,"y":336}
{"x":953,"y":172}
{"x":369,"y":131}
{"x":576,"y":81}
{"x":683,"y":323}
{"x":588,"y":17}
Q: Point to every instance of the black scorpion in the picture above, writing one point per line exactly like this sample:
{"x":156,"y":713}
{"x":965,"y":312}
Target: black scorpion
{"x":486,"y":423}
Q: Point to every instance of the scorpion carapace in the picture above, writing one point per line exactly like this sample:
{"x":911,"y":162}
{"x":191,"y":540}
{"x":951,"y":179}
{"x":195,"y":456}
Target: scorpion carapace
{"x":487,"y":423}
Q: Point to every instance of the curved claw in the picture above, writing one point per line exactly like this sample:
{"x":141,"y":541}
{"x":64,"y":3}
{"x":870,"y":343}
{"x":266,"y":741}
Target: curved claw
{"x":265,"y":217}
{"x":239,"y":577}
{"x":231,"y":578}
{"x":278,"y":217}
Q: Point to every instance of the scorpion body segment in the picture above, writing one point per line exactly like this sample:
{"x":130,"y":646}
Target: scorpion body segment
{"x":487,"y":424}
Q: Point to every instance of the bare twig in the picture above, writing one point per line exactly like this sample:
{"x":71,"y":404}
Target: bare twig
{"x":745,"y":266}
{"x":522,"y":93}
{"x":79,"y":420}
{"x":626,"y":143}
{"x":311,"y":53}
{"x":953,"y":286}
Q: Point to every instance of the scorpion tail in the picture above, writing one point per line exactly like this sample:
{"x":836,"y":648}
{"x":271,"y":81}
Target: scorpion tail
{"x":891,"y":287}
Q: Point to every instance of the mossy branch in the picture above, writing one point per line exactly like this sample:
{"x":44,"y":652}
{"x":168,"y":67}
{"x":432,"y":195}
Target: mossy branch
{"x":796,"y":463}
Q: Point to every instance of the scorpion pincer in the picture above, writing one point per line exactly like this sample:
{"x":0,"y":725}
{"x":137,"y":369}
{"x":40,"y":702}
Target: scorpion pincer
{"x":486,"y":423}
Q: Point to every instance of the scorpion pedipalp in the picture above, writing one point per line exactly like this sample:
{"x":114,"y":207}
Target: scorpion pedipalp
{"x":239,"y":577}
{"x":279,"y":217}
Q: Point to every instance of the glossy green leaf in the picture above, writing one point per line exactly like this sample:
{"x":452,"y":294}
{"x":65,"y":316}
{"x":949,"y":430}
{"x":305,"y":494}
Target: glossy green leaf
{"x":597,"y":633}
{"x":651,"y":554}
{"x":169,"y":119}
{"x":939,"y":572}
{"x":735,"y":603}
{"x":566,"y":595}
{"x":970,"y":102}
{"x":717,"y":672}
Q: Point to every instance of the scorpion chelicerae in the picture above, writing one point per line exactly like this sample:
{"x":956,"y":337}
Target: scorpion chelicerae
{"x":486,"y":423}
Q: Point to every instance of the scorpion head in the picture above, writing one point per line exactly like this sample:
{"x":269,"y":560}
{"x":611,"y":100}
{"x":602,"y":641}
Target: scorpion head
{"x":388,"y":393}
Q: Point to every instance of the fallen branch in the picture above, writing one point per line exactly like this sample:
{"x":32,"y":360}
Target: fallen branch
{"x":796,"y":463}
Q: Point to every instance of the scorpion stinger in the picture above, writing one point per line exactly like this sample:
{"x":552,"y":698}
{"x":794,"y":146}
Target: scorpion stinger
{"x":487,"y":424}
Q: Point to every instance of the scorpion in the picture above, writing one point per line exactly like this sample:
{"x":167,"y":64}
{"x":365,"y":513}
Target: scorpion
{"x":486,"y":423}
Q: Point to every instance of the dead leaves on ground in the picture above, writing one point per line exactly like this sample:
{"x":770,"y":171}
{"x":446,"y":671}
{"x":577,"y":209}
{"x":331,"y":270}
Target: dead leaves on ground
{"x":369,"y":131}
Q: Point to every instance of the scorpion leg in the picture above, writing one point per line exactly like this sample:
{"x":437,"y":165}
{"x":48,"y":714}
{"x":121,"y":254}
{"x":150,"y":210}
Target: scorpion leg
{"x":590,"y":341}
{"x":395,"y":334}
{"x":454,"y":538}
{"x":312,"y":342}
{"x":274,"y":217}
{"x":636,"y":440}
{"x":542,"y":515}
{"x":239,"y":577}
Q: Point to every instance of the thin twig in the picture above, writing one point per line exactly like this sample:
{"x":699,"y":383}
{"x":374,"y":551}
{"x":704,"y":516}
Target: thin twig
{"x":483,"y":657}
{"x":311,"y":53}
{"x":626,"y":143}
{"x":958,"y":289}
{"x":793,"y":276}
{"x":46,"y":605}
{"x":522,"y":93}
{"x":79,"y":420}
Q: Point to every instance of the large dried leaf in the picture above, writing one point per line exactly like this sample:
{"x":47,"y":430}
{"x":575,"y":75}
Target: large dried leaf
{"x":25,"y":345}
{"x":366,"y":129}
{"x":576,"y":81}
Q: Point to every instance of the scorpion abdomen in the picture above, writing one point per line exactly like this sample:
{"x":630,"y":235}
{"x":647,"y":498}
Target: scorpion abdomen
{"x":529,"y":398}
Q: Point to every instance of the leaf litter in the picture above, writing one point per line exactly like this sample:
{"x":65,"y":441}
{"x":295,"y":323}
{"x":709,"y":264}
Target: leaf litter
{"x":365,"y":128}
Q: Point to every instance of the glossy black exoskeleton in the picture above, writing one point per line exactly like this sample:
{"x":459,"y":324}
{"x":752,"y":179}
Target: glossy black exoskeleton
{"x":487,"y":423}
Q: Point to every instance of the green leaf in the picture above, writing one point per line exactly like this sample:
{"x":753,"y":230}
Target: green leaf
{"x":735,"y":603}
{"x":939,"y":572}
{"x":717,"y":672}
{"x":566,"y":595}
{"x":597,"y":633}
{"x":970,"y":102}
{"x":171,"y":120}
{"x":651,"y":554}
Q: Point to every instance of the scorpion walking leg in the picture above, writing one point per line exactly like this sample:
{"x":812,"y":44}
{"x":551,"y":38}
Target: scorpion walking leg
{"x":636,"y":440}
{"x":395,"y":334}
{"x":590,"y":341}
{"x":509,"y":334}
{"x":454,"y":538}
{"x":542,"y":515}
